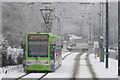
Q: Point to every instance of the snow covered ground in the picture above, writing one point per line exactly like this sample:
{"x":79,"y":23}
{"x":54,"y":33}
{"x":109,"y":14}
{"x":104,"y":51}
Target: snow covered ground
{"x":0,"y":73}
{"x":9,"y":71}
{"x":83,"y":71}
{"x":101,"y":71}
{"x":34,"y":75}
{"x":65,"y":53}
{"x":18,"y":71}
{"x":66,"y":69}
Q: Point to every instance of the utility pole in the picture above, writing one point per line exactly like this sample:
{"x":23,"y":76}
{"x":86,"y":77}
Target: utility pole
{"x":46,"y":14}
{"x":82,"y":33}
{"x":102,"y":18}
{"x":90,"y":30}
{"x":58,"y":20}
{"x":58,"y":26}
{"x":107,"y":31}
{"x":119,"y":38}
{"x":100,"y":32}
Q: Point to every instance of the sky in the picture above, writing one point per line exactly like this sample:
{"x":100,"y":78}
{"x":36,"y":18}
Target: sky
{"x":91,"y":1}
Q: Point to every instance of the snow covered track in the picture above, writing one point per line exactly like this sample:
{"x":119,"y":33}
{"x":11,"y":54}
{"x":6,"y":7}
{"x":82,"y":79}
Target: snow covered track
{"x":21,"y":76}
{"x":76,"y":66}
{"x":90,"y":67}
{"x":42,"y":76}
{"x":31,"y":75}
{"x":84,"y":69}
{"x":66,"y":56}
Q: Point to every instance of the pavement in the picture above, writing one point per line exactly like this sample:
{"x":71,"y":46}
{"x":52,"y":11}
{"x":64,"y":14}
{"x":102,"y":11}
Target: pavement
{"x":119,"y":77}
{"x":101,"y":71}
{"x":113,"y":54}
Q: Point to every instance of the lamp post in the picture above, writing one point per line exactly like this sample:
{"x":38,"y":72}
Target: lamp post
{"x":107,"y":31}
{"x":119,"y":38}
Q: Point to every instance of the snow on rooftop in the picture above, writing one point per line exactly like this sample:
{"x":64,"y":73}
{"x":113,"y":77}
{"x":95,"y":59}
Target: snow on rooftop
{"x":74,"y":37}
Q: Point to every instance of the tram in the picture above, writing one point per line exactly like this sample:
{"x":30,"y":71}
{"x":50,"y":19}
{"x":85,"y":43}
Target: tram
{"x":43,"y":51}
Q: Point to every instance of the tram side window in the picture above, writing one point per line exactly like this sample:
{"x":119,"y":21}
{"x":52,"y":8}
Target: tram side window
{"x":58,"y":45}
{"x":52,"y":51}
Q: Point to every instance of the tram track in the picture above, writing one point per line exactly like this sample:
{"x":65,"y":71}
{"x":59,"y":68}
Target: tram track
{"x":21,"y":76}
{"x":62,"y":60}
{"x":90,"y":68}
{"x":66,"y":56}
{"x":77,"y":67}
{"x":43,"y":74}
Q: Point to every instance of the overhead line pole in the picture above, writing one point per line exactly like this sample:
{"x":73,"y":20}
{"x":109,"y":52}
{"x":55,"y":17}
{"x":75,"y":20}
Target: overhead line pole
{"x":119,"y":38}
{"x":107,"y":31}
{"x":46,"y":14}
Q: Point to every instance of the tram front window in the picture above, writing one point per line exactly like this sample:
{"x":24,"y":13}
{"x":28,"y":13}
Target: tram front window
{"x":38,"y":46}
{"x":38,"y":50}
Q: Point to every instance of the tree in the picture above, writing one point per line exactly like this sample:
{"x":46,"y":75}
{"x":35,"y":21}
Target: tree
{"x":10,"y":60}
{"x":19,"y":59}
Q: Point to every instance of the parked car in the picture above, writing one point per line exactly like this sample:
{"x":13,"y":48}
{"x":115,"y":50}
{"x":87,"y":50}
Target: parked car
{"x":78,"y":47}
{"x":71,"y":47}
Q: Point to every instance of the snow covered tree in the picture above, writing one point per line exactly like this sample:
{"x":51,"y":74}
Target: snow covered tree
{"x":19,"y":59}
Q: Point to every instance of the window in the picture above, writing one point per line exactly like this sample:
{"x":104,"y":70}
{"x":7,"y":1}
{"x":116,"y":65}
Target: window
{"x":38,"y":46}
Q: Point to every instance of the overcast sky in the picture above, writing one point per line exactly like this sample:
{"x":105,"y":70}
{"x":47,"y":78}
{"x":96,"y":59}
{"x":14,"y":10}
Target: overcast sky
{"x":58,"y":0}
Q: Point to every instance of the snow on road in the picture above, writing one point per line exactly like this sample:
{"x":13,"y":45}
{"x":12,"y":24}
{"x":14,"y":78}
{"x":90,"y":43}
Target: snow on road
{"x":101,"y":71}
{"x":66,"y":69}
{"x":34,"y":75}
{"x":11,"y":71}
{"x":13,"y":75}
{"x":83,"y":71}
{"x":65,"y":53}
{"x":0,"y":73}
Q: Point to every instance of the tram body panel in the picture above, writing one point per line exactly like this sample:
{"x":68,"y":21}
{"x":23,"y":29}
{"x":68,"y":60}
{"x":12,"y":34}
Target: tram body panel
{"x":43,"y":52}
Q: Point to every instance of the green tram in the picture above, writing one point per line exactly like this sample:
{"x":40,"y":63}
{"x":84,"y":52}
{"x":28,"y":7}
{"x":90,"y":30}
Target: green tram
{"x":43,"y":51}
